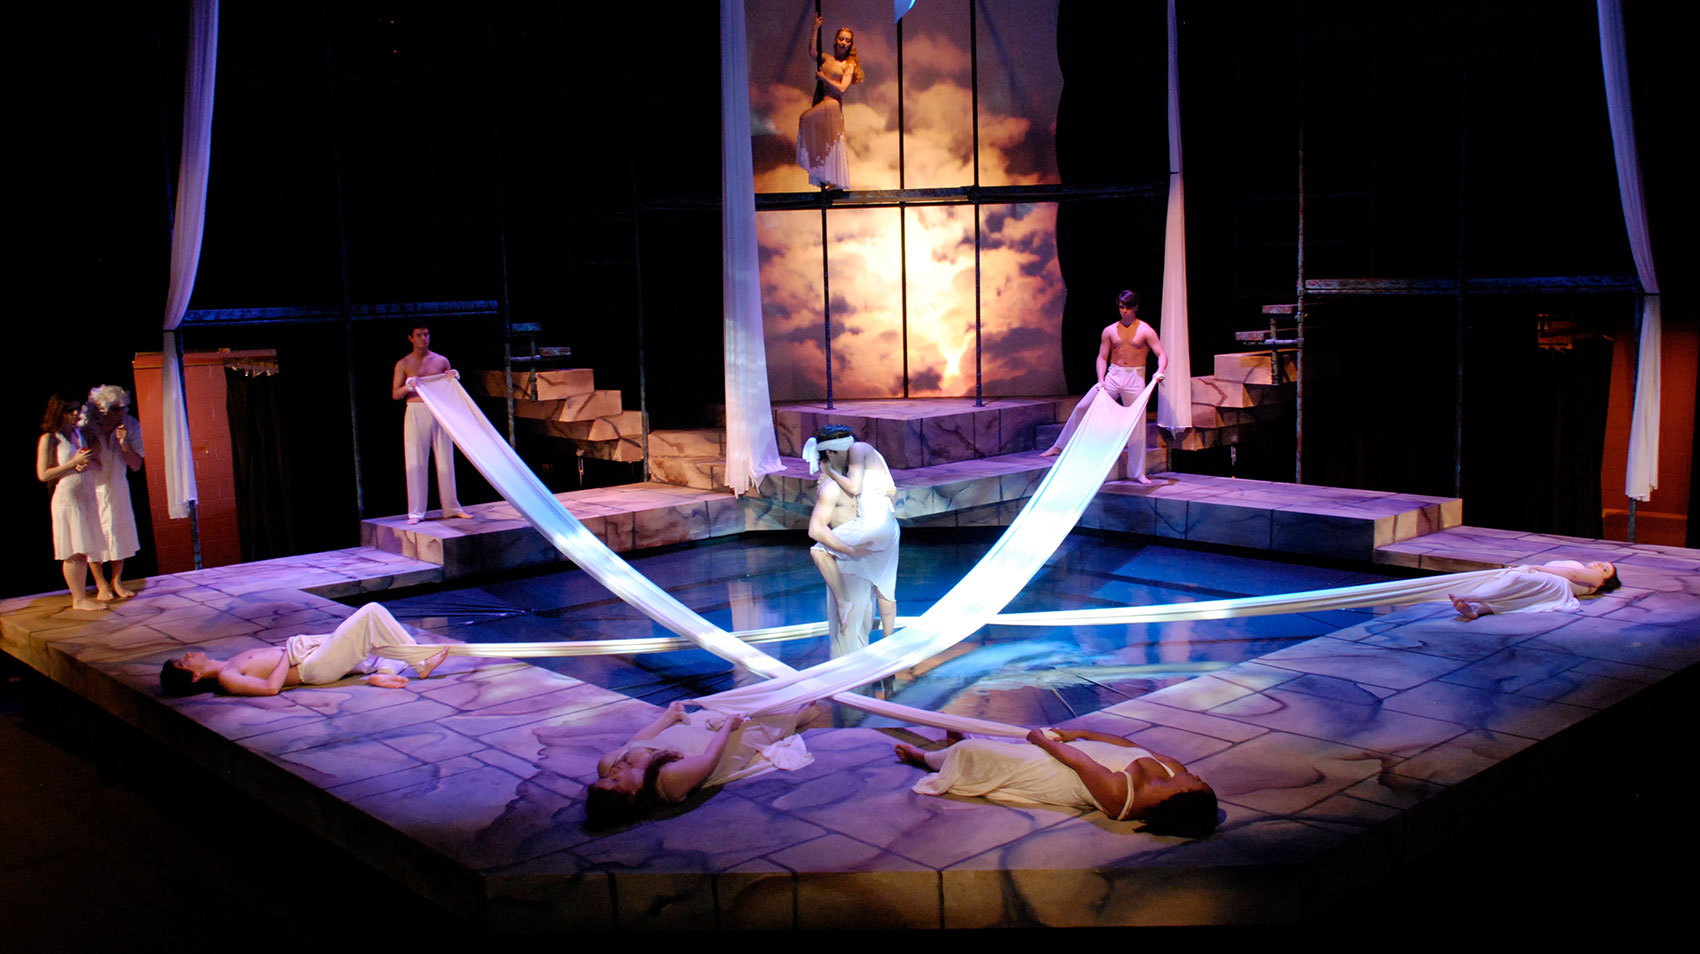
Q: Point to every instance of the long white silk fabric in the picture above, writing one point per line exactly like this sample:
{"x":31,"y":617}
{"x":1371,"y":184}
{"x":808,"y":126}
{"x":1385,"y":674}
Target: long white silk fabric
{"x":1174,"y":402}
{"x":1641,"y":475}
{"x":1053,"y":511}
{"x":752,"y":451}
{"x":496,"y":460}
{"x":187,"y":224}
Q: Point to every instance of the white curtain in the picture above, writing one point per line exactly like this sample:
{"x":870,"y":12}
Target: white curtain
{"x":751,"y":449}
{"x":187,"y":224}
{"x":1174,"y":400}
{"x":1642,"y":472}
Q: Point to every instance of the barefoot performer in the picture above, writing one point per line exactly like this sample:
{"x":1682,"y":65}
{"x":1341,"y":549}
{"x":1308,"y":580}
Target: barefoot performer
{"x":821,"y":147}
{"x":1122,"y":352}
{"x":421,"y":437}
{"x":1536,"y":589}
{"x":301,"y":661}
{"x":1072,"y":768}
{"x":865,"y":547}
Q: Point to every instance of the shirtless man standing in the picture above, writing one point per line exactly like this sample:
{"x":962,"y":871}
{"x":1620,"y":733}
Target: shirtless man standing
{"x":301,"y":660}
{"x":420,"y":435}
{"x":1122,"y":352}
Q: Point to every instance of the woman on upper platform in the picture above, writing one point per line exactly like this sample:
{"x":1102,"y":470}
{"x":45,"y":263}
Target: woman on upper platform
{"x":821,"y":147}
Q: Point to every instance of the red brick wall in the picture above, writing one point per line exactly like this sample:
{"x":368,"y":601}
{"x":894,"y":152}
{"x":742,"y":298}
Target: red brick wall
{"x":209,"y":432}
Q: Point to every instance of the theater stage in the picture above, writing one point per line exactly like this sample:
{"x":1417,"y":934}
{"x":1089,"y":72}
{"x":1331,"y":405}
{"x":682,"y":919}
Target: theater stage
{"x":1337,"y":760}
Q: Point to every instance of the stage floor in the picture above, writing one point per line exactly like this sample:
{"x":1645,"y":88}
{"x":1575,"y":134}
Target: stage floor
{"x":1337,"y":760}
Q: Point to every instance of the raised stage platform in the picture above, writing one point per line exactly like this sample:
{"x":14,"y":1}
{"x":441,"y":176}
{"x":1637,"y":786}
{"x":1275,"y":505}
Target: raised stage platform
{"x":1336,"y":760}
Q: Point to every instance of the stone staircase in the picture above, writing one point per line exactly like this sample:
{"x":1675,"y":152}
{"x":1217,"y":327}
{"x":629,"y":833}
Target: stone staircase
{"x":566,"y":404}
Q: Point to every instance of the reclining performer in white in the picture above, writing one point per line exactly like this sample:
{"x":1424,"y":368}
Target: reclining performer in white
{"x":1536,"y":589}
{"x":308,"y":660}
{"x":865,"y":547}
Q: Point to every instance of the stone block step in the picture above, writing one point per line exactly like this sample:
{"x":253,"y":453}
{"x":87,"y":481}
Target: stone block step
{"x":701,"y":442}
{"x":1253,"y":367}
{"x":620,"y":443}
{"x":579,"y":407}
{"x":555,"y":385}
{"x":1210,"y":415}
{"x":703,"y":473}
{"x":1222,"y":392}
{"x":925,"y":432}
{"x":1046,"y":434}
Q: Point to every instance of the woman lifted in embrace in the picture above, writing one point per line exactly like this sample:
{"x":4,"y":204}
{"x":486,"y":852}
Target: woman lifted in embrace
{"x":821,"y":148}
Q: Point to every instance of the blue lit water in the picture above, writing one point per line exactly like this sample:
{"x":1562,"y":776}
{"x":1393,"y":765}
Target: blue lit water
{"x":1023,"y":675}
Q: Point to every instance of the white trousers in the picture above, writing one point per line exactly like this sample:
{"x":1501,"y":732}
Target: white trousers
{"x":323,"y":659}
{"x":1123,"y":384}
{"x":421,"y":437}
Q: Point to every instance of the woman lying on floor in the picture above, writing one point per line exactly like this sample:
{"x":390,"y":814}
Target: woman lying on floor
{"x":677,"y":754}
{"x":1072,"y":768}
{"x":1536,"y":589}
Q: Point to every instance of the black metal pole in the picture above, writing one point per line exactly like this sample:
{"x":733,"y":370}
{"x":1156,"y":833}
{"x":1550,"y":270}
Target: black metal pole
{"x":974,"y":93}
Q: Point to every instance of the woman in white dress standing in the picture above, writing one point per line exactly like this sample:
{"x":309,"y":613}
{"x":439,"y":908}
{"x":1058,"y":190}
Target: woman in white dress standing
{"x":116,"y":439}
{"x":821,"y":147}
{"x":64,"y":459}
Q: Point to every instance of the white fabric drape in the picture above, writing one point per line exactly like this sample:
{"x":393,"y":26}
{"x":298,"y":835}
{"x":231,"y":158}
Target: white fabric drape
{"x":187,"y":224}
{"x":1174,"y":402}
{"x":1056,"y":506}
{"x":1642,"y":472}
{"x":751,"y":448}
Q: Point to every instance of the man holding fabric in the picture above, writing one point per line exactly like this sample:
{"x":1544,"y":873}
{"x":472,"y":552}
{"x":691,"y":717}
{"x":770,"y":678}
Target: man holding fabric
{"x":855,"y":531}
{"x":1122,"y":352}
{"x":420,"y":436}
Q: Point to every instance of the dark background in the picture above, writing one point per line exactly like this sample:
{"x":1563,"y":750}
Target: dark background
{"x":425,"y":139}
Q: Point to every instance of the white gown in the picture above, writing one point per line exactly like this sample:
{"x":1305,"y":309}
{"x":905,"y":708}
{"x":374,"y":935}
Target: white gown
{"x":757,"y":747}
{"x":1526,"y":589}
{"x":76,"y":514}
{"x":112,"y":495}
{"x":1023,"y":773}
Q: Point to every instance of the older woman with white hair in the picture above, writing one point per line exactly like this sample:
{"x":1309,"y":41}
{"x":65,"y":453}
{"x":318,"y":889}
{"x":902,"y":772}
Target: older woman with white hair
{"x":118,"y":447}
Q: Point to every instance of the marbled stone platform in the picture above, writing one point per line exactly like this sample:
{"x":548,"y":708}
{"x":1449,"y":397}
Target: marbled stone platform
{"x":922,"y":432}
{"x":1336,"y":760}
{"x":1287,"y":518}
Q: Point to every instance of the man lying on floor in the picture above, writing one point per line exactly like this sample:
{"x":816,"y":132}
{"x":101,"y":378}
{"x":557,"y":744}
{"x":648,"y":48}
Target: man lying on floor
{"x":314,"y":660}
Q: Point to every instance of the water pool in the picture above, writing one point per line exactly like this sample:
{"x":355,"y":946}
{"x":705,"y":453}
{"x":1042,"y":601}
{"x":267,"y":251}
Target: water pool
{"x":1022,"y":675}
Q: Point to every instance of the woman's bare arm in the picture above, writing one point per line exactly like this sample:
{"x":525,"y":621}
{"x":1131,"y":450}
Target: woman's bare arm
{"x":677,"y":779}
{"x":1109,"y":789}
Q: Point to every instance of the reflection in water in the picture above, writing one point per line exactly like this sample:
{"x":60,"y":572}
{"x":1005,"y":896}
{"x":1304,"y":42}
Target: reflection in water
{"x":1020,"y":675}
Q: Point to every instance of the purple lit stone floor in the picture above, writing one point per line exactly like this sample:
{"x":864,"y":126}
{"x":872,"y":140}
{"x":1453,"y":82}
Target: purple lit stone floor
{"x":1335,"y":759}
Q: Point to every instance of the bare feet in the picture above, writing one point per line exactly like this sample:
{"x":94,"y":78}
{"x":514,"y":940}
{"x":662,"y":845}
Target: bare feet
{"x":124,"y":592}
{"x":460,"y":515}
{"x":411,"y":519}
{"x":425,"y":668}
{"x":1143,"y":479}
{"x":1465,"y":608}
{"x":909,"y":755}
{"x":1051,"y":451}
{"x":104,"y":595}
{"x":86,"y":604}
{"x":386,"y":680}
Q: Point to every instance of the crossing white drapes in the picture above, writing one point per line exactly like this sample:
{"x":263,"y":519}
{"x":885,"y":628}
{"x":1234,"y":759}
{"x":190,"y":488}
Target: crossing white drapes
{"x":1174,"y":402}
{"x":187,"y":224}
{"x":1642,"y":472}
{"x":751,"y":449}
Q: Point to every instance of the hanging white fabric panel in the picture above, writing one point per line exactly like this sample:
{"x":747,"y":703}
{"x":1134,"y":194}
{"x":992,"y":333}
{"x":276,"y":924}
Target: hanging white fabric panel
{"x":1641,"y":475}
{"x":187,"y":225}
{"x":752,"y":451}
{"x":1174,"y":402}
